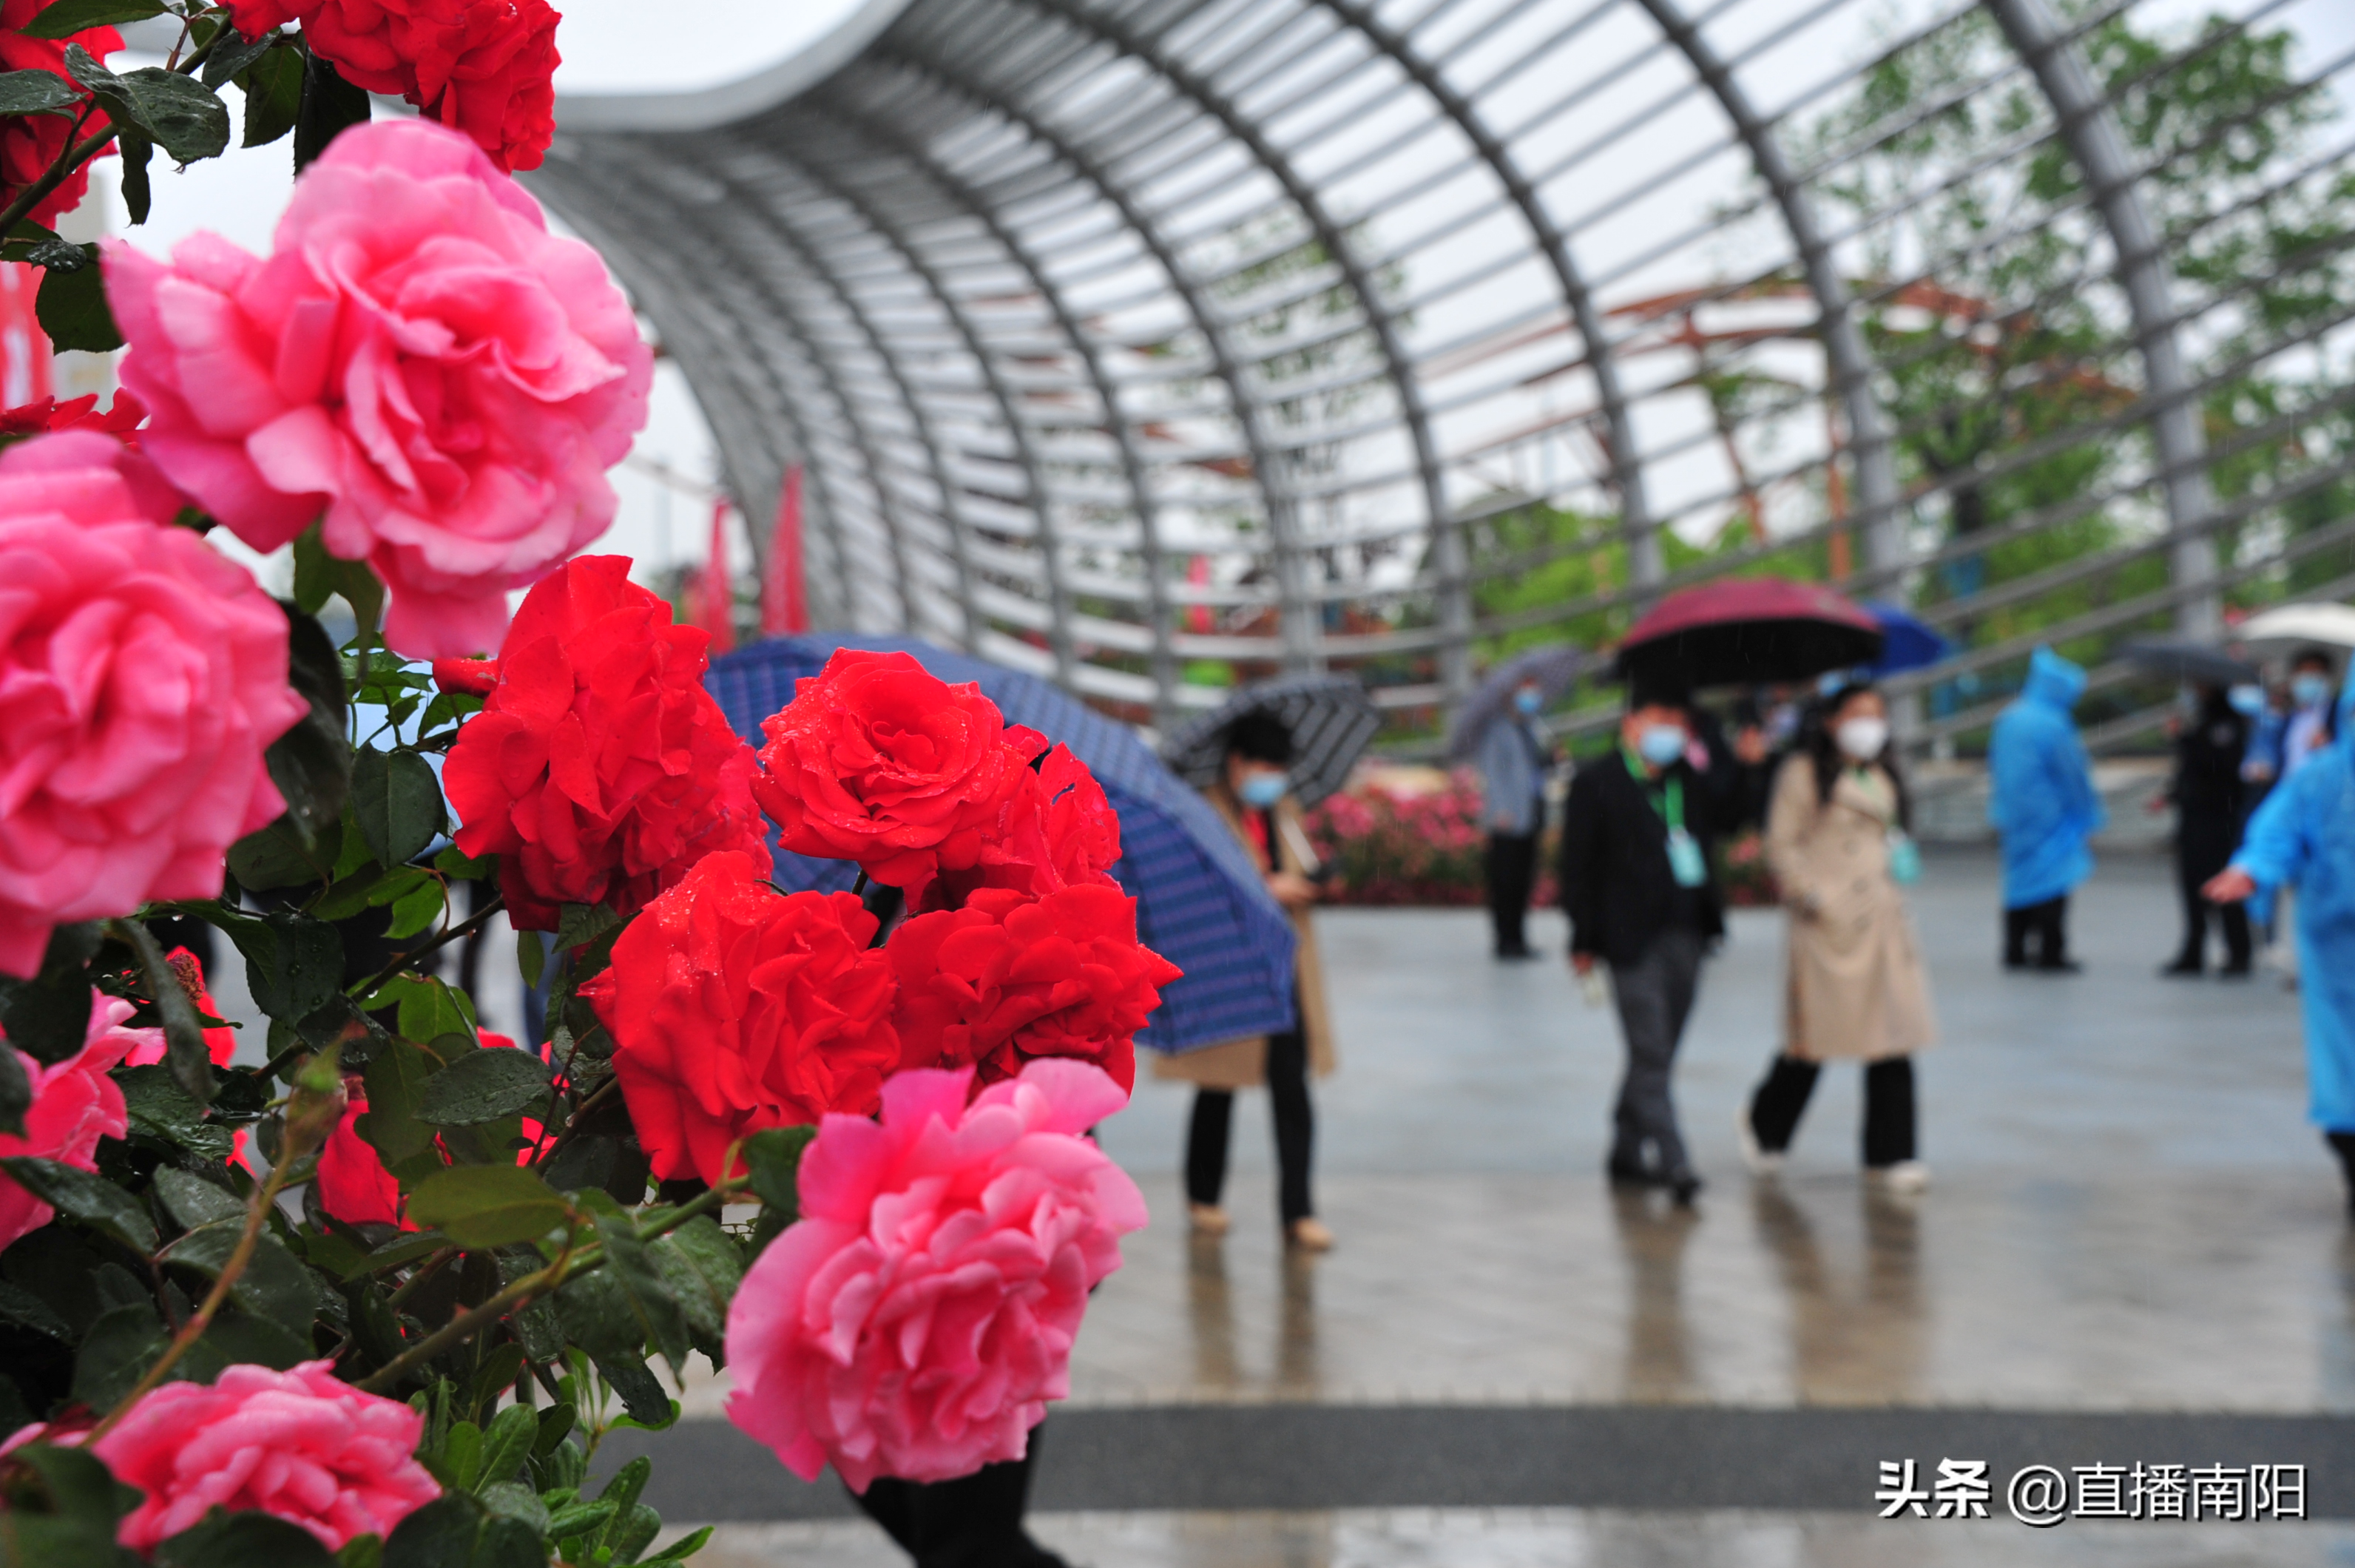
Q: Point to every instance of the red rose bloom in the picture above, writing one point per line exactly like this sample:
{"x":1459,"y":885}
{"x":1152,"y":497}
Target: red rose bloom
{"x":1055,"y":831}
{"x":734,"y":1006}
{"x":877,"y":761}
{"x":483,"y":67}
{"x":29,"y":143}
{"x":122,"y":421}
{"x":599,"y":769}
{"x":1008,"y":978}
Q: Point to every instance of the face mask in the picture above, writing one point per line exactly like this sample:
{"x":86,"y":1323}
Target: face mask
{"x":1528,"y":701}
{"x":1661,"y":744}
{"x":2247,"y":700}
{"x":1262,"y":791}
{"x":2310,"y":690}
{"x":1862,"y":738}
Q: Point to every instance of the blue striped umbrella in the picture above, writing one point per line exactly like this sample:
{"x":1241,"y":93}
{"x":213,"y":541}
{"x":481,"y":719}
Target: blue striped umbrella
{"x":1199,"y":902}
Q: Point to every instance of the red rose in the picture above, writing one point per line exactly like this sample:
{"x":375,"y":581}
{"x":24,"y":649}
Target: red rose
{"x":1055,"y":831}
{"x":1008,"y":978}
{"x":122,"y":421}
{"x":878,"y":761}
{"x":599,"y":769}
{"x":29,"y":143}
{"x":354,"y":1185}
{"x":734,"y":1006}
{"x":483,"y":67}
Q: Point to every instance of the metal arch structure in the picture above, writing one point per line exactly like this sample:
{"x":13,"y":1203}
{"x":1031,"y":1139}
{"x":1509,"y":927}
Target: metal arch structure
{"x":1150,"y":344}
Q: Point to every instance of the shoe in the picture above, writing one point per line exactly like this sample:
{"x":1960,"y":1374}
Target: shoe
{"x":1761,"y":1160}
{"x":1620,"y":1174}
{"x":2236,"y":971}
{"x":1310,"y":1234}
{"x":1906,"y":1177}
{"x":1683,"y":1187}
{"x":2183,"y":968}
{"x":2060,"y":966}
{"x":1209,"y":1219}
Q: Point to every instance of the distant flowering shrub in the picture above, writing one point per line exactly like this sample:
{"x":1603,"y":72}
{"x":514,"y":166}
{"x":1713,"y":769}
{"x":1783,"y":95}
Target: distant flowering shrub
{"x":1396,"y":846}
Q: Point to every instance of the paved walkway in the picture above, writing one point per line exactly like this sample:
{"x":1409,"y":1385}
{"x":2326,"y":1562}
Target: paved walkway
{"x":2131,"y":1222}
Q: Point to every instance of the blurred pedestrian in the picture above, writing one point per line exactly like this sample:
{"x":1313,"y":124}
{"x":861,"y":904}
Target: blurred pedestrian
{"x":2211,"y":741}
{"x":1514,"y":761}
{"x":1838,"y":840}
{"x":2304,"y":837}
{"x":2042,"y":800}
{"x":2313,"y":688}
{"x":1638,"y":884}
{"x":1253,"y":793}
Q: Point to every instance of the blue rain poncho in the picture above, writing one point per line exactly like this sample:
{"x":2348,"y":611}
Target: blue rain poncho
{"x":2040,"y":790}
{"x":2304,"y":836}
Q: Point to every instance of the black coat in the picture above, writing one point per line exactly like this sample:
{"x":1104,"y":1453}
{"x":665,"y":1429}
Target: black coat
{"x":2208,"y":755}
{"x":1616,"y":886}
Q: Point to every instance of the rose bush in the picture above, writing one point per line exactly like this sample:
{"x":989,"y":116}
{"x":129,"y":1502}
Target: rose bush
{"x":919,"y":1317}
{"x":29,"y":143}
{"x":419,"y":363}
{"x":483,"y":67}
{"x":599,"y":770}
{"x":74,"y":1104}
{"x":734,"y":1006}
{"x":140,"y":677}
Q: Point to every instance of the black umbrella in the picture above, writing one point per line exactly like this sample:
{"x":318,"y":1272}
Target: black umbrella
{"x":1554,"y":667}
{"x":2193,"y":664}
{"x":1330,"y":717}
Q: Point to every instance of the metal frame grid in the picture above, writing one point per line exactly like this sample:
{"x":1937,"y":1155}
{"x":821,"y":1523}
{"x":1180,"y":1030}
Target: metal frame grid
{"x":1121,"y":335}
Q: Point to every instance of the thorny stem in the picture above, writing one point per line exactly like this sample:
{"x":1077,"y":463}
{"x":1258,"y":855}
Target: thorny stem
{"x":466,"y":1325}
{"x":473,"y":923}
{"x":572,"y":1123}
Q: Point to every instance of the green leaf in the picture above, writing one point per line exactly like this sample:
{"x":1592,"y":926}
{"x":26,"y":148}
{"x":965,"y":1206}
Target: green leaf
{"x":601,"y":1161}
{"x":405,"y":1248}
{"x":277,"y":857}
{"x":679,"y":1551}
{"x":138,"y":195}
{"x":78,"y":1531}
{"x":329,"y":104}
{"x":16,"y":1093}
{"x":274,"y":1285}
{"x":416,"y":911}
{"x":361,"y":1552}
{"x":644,"y":1291}
{"x":459,"y":866}
{"x":178,"y":114}
{"x":72,"y":309}
{"x":512,"y":1500}
{"x":338,"y":1022}
{"x":25,"y":1310}
{"x":579,"y":1518}
{"x":241,"y":1540}
{"x":185,"y":1052}
{"x":294,"y":964}
{"x":88,"y":1198}
{"x":703,"y":1265}
{"x":455,"y":1530}
{"x":35,"y":91}
{"x":507,"y":1443}
{"x":359,"y":892}
{"x":428,"y":1009}
{"x":115,"y":1354}
{"x":192,"y":1200}
{"x":319,"y":576}
{"x":396,"y":1080}
{"x":235,"y":1338}
{"x":47,"y":1016}
{"x":531,"y":955}
{"x":480,"y":1206}
{"x":483,"y":1086}
{"x":67,"y":17}
{"x":273,"y":94}
{"x":774,"y":1159}
{"x":461,"y":1454}
{"x":160,"y":1109}
{"x":312,"y":763}
{"x":579,"y":924}
{"x":233,"y":54}
{"x":634,"y":1533}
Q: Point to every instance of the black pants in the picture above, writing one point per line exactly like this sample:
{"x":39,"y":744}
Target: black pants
{"x":2203,"y":846}
{"x":1512,"y":872}
{"x":1782,"y":1099}
{"x":1655,"y":997}
{"x":2044,"y":926}
{"x":973,"y":1521}
{"x":1287,"y":1094}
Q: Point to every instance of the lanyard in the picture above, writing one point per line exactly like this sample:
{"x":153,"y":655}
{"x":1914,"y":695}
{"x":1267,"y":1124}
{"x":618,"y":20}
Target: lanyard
{"x":1672,"y":794}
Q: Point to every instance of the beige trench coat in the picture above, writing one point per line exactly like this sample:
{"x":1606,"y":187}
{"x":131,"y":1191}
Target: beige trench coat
{"x":1856,"y":985}
{"x":1242,"y":1064}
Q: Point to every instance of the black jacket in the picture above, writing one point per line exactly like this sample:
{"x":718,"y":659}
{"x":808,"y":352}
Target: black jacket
{"x":2208,"y":764}
{"x":1616,"y":886}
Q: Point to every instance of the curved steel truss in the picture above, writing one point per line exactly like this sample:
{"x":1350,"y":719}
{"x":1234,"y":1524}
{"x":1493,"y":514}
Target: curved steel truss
{"x":1148,"y":343}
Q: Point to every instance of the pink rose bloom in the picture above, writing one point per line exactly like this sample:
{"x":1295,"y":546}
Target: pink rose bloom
{"x":140,"y":677}
{"x":917,"y":1318}
{"x":75,"y":1103}
{"x":418,"y":357}
{"x":300,"y":1446}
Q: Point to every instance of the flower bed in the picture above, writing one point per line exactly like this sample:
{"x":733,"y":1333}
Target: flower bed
{"x":1412,"y":837}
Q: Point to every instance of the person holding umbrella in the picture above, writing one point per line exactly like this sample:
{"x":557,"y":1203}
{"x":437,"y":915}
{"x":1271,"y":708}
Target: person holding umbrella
{"x":1497,"y":729}
{"x":1638,"y":884}
{"x":2041,"y":801}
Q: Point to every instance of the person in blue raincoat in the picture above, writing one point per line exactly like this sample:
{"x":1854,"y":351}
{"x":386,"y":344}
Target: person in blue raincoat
{"x":2304,"y":837}
{"x":2041,"y":801}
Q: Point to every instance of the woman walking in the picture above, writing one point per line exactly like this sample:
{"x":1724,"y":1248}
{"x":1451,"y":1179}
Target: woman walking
{"x":1836,"y":839}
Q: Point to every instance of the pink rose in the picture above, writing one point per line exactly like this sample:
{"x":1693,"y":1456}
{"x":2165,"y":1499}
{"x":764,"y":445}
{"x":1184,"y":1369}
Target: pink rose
{"x":140,"y":677}
{"x":917,"y":1318}
{"x":300,"y":1446}
{"x":419,"y":358}
{"x":75,"y":1103}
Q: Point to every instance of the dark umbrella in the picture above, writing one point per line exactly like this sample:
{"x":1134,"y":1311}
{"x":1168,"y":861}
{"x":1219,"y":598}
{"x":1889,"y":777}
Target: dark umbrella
{"x":1749,"y":631}
{"x":1200,"y":903}
{"x":1554,"y":667}
{"x":2193,"y":663}
{"x":1330,"y":717}
{"x":1909,"y":642}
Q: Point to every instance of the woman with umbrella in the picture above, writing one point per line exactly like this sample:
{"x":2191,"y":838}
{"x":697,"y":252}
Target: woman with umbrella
{"x":1257,"y":759}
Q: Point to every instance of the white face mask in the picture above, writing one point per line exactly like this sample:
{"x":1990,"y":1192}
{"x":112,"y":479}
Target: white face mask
{"x":1862,"y":738}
